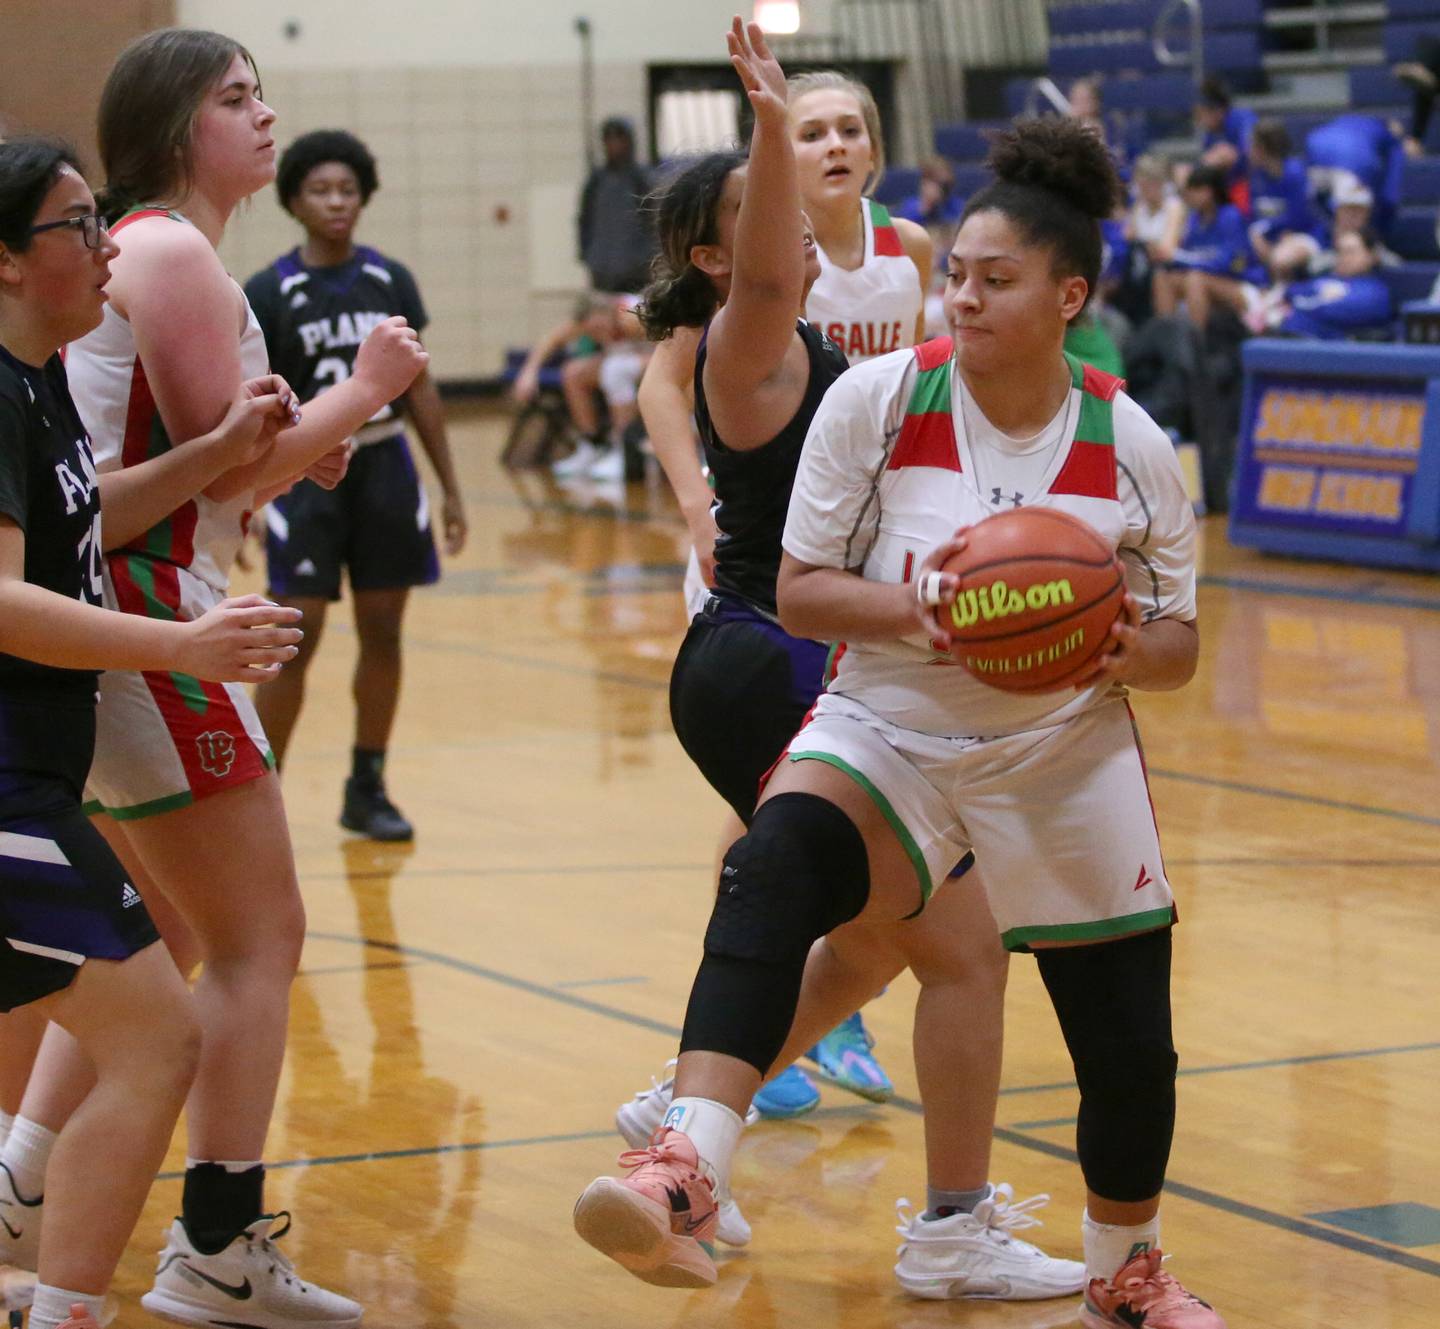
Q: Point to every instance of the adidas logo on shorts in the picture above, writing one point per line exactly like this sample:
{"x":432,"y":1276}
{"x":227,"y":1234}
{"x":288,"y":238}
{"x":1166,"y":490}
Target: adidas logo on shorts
{"x":129,"y":897}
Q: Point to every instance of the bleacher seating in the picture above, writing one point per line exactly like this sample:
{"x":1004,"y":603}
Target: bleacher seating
{"x":1113,"y":39}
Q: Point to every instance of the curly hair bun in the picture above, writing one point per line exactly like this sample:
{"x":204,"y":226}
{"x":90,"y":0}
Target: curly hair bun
{"x":1063,"y":156}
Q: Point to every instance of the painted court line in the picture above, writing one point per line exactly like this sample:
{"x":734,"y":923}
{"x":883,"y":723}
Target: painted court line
{"x":1240,"y":1209}
{"x":425,"y":1151}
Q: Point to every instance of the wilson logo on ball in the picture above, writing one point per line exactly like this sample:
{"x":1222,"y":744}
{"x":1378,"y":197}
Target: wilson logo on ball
{"x":1039,"y":590}
{"x":998,"y":600}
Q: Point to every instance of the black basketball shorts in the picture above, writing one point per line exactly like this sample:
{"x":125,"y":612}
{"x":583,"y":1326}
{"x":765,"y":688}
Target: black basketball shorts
{"x":375,"y":524}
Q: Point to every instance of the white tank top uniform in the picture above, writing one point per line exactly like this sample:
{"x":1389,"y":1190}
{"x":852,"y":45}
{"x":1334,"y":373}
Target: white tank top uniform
{"x":873,"y":309}
{"x":162,"y":739}
{"x":1048,"y":789}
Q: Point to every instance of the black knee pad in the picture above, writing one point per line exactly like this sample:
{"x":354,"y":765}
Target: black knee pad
{"x":1113,"y":1004}
{"x":801,"y":872}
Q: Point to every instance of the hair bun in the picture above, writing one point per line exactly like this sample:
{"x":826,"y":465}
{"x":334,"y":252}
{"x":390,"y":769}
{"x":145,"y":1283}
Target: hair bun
{"x":1063,"y":156}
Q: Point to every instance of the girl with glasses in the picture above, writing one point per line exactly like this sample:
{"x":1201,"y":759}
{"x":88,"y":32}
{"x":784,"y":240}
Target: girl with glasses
{"x":77,"y":944}
{"x":182,"y":772}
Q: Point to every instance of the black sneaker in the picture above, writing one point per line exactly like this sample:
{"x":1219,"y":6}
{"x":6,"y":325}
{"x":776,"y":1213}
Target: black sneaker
{"x":370,"y":812}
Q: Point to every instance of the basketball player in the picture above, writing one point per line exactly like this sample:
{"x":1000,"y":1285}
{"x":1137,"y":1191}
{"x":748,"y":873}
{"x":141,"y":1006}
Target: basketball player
{"x":888,"y":782}
{"x":733,"y":235}
{"x":78,"y":943}
{"x":315,"y":306}
{"x":869,"y":299}
{"x":183,"y":770}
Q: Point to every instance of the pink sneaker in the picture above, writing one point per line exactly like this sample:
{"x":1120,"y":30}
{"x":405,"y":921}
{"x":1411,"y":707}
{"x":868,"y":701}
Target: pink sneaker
{"x":1143,"y":1296}
{"x":660,"y":1221}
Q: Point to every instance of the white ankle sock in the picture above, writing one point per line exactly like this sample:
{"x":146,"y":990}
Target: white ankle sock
{"x":1108,"y":1246}
{"x":713,"y":1129}
{"x":52,"y":1306}
{"x":26,"y":1153}
{"x":6,"y":1122}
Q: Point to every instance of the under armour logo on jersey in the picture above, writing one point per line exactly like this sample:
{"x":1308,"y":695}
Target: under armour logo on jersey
{"x":216,"y":749}
{"x":996,"y":495}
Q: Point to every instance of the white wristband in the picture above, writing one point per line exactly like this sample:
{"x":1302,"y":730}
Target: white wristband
{"x":927,"y":589}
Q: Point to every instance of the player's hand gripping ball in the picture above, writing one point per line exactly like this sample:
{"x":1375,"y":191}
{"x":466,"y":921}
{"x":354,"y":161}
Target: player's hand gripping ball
{"x":1039,"y":591}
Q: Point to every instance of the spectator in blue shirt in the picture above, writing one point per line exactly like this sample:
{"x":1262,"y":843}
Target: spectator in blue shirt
{"x":1285,"y":231}
{"x":934,"y":205}
{"x":1366,"y":147}
{"x":1225,"y":137}
{"x":1348,"y":301}
{"x":1214,"y":263}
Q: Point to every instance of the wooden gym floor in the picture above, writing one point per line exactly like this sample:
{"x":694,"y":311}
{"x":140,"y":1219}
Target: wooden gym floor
{"x":471,"y":1010}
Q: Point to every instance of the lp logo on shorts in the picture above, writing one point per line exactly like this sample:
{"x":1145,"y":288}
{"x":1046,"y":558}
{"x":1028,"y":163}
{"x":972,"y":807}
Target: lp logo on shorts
{"x":217,"y":752}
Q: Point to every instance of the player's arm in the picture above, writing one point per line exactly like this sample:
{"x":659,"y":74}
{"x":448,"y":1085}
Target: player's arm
{"x":136,"y":497}
{"x":429,"y":416}
{"x":920,"y":250}
{"x":833,"y":604}
{"x":244,"y":640}
{"x":753,"y":330}
{"x":667,"y":403}
{"x":820,"y":592}
{"x":187,"y":317}
{"x":1155,"y":643}
{"x":385,"y":366}
{"x":527,"y":381}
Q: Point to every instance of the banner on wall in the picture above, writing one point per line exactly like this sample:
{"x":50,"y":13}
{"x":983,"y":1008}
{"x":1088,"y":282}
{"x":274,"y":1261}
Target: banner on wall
{"x":1339,"y":453}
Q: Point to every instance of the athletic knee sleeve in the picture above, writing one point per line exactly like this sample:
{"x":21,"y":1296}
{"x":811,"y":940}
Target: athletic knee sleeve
{"x":1113,"y":1004}
{"x":800,"y":872}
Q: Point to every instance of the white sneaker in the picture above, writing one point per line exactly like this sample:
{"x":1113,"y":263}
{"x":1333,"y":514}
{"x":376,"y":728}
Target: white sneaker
{"x":640,"y":1118}
{"x":977,"y":1256}
{"x":249,"y":1283}
{"x":19,"y":1224}
{"x":609,"y":464}
{"x":578,"y":462}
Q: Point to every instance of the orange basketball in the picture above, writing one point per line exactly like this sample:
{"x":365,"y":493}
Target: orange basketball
{"x":1039,"y":590}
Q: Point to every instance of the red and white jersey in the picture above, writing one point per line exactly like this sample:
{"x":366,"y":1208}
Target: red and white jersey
{"x":108,"y":383}
{"x":891,"y":469}
{"x":874,"y":309}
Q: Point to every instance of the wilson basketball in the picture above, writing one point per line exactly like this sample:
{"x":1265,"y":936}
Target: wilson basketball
{"x":1039,"y":590}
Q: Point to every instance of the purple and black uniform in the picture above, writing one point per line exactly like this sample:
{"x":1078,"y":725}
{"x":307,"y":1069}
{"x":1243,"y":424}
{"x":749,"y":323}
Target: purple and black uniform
{"x":376,"y":522}
{"x":742,"y":685}
{"x":64,"y":896}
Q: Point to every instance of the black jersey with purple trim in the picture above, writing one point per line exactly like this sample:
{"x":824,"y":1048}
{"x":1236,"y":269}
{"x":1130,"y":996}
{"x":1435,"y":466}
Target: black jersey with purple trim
{"x":48,"y":489}
{"x":314,"y":319}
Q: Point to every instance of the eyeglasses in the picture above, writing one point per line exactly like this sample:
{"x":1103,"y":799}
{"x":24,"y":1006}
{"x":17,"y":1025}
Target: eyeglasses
{"x":91,"y":225}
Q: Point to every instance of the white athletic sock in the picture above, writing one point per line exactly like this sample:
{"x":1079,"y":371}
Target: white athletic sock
{"x":1109,"y":1247}
{"x":230,"y":1165}
{"x":714,"y":1130}
{"x":6,"y":1122}
{"x":52,"y":1306}
{"x":26,"y":1153}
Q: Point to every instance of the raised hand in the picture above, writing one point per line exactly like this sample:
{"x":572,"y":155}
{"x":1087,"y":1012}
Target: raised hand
{"x":758,"y":69}
{"x":390,"y":358}
{"x":245,"y":640}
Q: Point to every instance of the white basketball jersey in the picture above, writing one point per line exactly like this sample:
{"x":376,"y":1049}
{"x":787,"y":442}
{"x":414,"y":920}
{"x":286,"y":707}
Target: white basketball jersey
{"x":875,"y":308}
{"x":108,"y":383}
